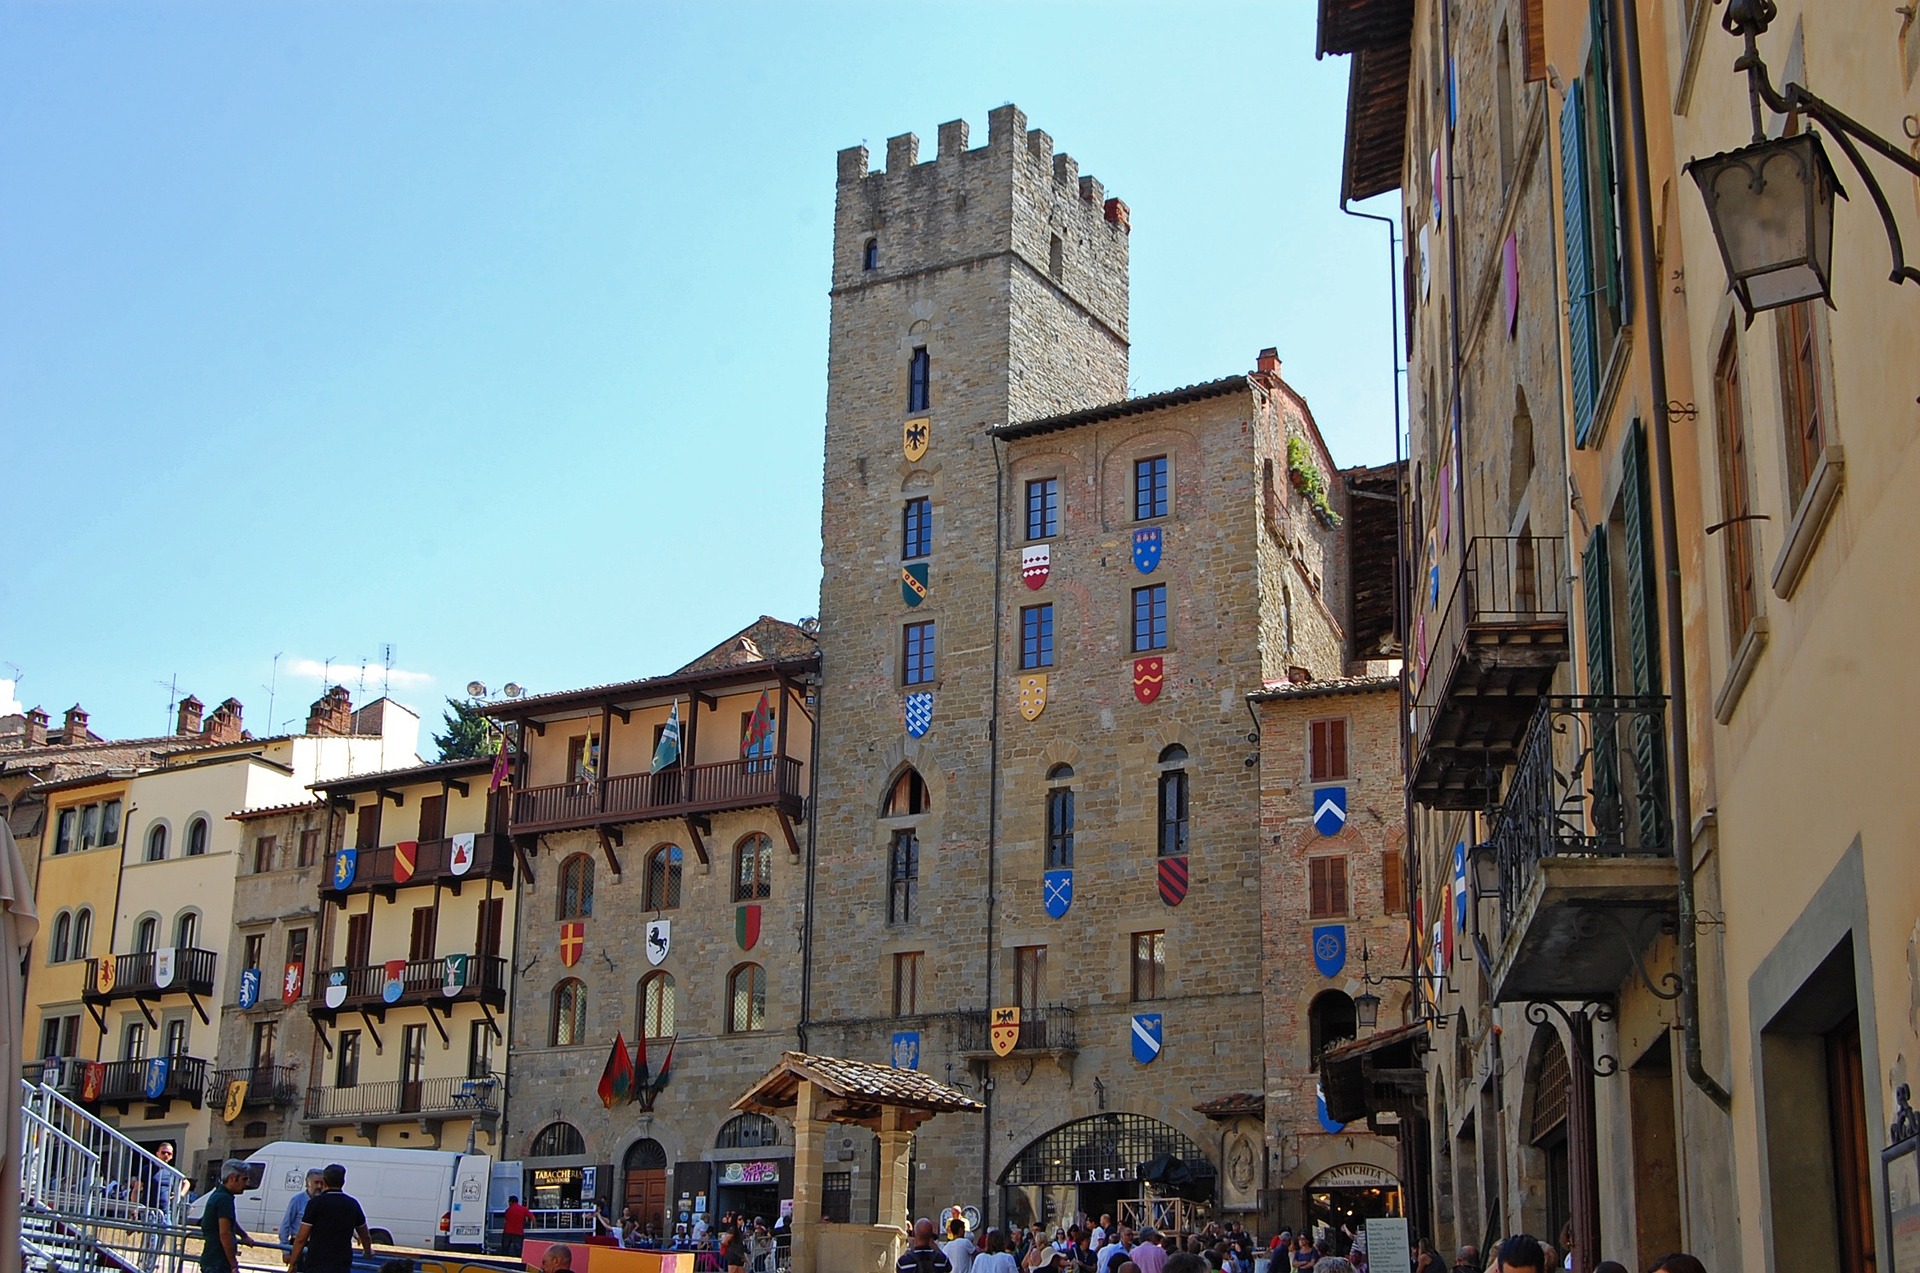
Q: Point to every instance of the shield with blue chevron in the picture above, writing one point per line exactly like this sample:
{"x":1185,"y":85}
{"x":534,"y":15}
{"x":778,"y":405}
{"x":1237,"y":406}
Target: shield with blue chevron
{"x":919,"y":714}
{"x":1058,"y":891}
{"x":1329,"y":810}
{"x":1147,"y":1037}
{"x":1146,"y":549}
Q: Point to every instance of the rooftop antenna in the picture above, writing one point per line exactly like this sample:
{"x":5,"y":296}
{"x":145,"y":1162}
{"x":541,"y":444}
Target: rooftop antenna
{"x":272,"y":685}
{"x":386,"y":677}
{"x":172,"y":685}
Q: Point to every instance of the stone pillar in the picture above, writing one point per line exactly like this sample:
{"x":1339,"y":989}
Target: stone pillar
{"x":896,"y":1151}
{"x":809,"y":1143}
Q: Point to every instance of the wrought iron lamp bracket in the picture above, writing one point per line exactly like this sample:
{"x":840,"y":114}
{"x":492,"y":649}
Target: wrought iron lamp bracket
{"x":1589,"y":924}
{"x":1604,"y":1065}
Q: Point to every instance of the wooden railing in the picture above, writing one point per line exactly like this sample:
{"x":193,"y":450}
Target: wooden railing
{"x":730,"y":784}
{"x":433,"y":863}
{"x":193,"y":973}
{"x":127,"y":1080}
{"x":421,"y":981}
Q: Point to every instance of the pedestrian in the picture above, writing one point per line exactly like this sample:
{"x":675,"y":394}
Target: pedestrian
{"x":1115,"y":1251}
{"x":1522,"y":1251}
{"x":557,"y":1258}
{"x":1149,"y":1255}
{"x":219,"y":1226}
{"x":1304,"y":1256}
{"x":923,"y":1253}
{"x":1679,"y":1262}
{"x":327,"y":1230}
{"x":1466,"y":1260}
{"x":959,"y":1248}
{"x":1186,"y":1262}
{"x":297,"y":1207}
{"x":994,"y":1257}
{"x":513,"y":1226}
{"x":760,"y":1248}
{"x":1609,"y":1266}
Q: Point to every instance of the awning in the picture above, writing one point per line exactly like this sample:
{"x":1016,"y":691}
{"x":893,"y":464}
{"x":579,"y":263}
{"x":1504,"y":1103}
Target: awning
{"x":855,"y":1091}
{"x":1379,"y":1074}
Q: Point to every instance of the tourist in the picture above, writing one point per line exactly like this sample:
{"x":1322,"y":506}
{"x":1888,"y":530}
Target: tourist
{"x":331,"y":1223}
{"x":513,"y":1226}
{"x":297,"y":1207}
{"x":923,"y":1253}
{"x":218,"y":1224}
{"x":1150,"y":1255}
{"x":959,"y":1248}
{"x":994,"y":1257}
{"x":1522,"y":1252}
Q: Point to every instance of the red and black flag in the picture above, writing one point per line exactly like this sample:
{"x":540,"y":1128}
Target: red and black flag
{"x":616,"y":1081}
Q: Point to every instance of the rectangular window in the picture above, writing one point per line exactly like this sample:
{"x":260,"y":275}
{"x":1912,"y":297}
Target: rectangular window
{"x":309,"y":848}
{"x":480,"y":1049}
{"x":359,"y":939}
{"x":917,"y":654}
{"x":1149,"y":488}
{"x":1590,"y":202}
{"x":1329,"y":750}
{"x":906,"y":983}
{"x":59,"y":1036}
{"x":1736,"y":502}
{"x":133,"y":1043}
{"x":916,"y":529}
{"x":1036,"y":636}
{"x":486,"y":941}
{"x":1800,"y":394}
{"x":1060,"y":829}
{"x":1150,"y":618}
{"x":1393,"y":883}
{"x":263,"y":849}
{"x":1173,"y":813}
{"x":253,"y":951}
{"x":919,"y":378}
{"x":1043,"y":508}
{"x":420,"y":940}
{"x":1327,"y":887}
{"x":413,"y":1055}
{"x":366,"y":830}
{"x":1030,"y":977}
{"x":346,"y":1059}
{"x":1149,"y":965}
{"x":90,"y":827}
{"x":261,"y":1049}
{"x":583,"y":757}
{"x":110,"y":822}
{"x":63,"y":831}
{"x":903,"y":877}
{"x":433,"y":817}
{"x":176,"y":1037}
{"x":836,"y":1196}
{"x":296,"y":945}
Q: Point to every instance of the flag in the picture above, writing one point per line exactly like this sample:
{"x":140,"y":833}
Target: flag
{"x":667,"y":753}
{"x":759,"y":728}
{"x":616,"y":1081}
{"x":500,"y":765}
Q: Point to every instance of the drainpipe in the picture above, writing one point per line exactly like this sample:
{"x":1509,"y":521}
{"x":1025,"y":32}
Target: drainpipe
{"x":1671,"y":621}
{"x":993,"y":821}
{"x":813,"y":822}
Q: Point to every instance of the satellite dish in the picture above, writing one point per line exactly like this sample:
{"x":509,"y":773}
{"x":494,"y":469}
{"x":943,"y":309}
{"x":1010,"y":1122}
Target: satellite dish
{"x":514,"y":691}
{"x":475,"y":689}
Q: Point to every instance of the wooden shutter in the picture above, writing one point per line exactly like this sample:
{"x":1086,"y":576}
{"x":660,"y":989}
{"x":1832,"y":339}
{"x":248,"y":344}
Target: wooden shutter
{"x":433,"y":817}
{"x":366,"y":834}
{"x":1578,"y":241}
{"x":1536,"y":42}
{"x":1393,"y":884}
{"x":420,"y":942}
{"x":1599,"y":608}
{"x":359,"y":939}
{"x":1328,"y":882}
{"x":1604,"y":177}
{"x":1643,"y":649}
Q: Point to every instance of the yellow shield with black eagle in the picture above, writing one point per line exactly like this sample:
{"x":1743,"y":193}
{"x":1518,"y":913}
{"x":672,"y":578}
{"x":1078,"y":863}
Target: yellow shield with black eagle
{"x":915,"y":436}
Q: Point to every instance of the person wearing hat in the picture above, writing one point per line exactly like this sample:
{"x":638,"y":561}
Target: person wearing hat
{"x":218,"y":1224}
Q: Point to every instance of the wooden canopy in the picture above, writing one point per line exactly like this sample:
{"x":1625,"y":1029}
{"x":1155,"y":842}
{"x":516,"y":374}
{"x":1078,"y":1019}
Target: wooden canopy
{"x":853,"y":1092}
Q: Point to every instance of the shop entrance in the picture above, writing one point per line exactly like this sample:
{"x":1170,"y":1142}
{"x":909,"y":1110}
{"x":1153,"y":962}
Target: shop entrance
{"x":1347,"y":1196}
{"x":1089,"y":1166}
{"x":644,"y":1181}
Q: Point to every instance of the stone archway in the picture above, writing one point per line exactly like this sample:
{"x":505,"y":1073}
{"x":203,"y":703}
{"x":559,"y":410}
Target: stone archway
{"x":643,"y":1179}
{"x":1094,"y":1164}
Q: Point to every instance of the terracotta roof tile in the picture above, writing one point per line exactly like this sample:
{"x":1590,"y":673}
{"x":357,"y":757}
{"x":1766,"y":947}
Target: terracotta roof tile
{"x":860,"y":1088}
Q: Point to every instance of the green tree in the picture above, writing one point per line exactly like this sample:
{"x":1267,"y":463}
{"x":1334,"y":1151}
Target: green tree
{"x":469,"y":733}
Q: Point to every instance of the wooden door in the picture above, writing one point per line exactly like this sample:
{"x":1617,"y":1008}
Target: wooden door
{"x":647,"y":1197}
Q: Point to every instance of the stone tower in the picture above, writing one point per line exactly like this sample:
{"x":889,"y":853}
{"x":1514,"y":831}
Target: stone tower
{"x":997,"y":278}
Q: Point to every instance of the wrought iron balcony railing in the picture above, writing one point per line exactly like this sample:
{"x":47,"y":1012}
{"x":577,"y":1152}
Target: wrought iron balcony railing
{"x":411,"y":982}
{"x":156,"y":1079}
{"x":1048,"y":1029}
{"x":181,"y":970}
{"x":1591,"y":781}
{"x":403,"y":1098}
{"x":266,"y":1085}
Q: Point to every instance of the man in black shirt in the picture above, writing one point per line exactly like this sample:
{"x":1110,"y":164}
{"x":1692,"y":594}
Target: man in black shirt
{"x":923,"y":1254}
{"x":332,"y":1221}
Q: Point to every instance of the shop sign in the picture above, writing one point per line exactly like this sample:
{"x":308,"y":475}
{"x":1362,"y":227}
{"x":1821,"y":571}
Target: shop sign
{"x":750,"y":1173}
{"x":551,"y":1177}
{"x":1354,"y":1175}
{"x":1096,"y":1175}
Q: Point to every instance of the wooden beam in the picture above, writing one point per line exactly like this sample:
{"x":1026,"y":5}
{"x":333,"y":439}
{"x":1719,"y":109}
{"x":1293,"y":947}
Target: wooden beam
{"x":608,"y":837}
{"x":786,"y":829}
{"x":624,"y":713}
{"x":712,"y":703}
{"x":520,"y":852}
{"x":539,"y":726}
{"x":399,"y":798}
{"x":695,"y":825}
{"x":600,"y":767}
{"x":453,"y":784}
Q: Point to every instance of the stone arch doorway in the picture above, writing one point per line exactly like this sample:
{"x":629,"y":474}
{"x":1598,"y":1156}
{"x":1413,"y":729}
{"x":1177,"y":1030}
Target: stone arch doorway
{"x":1347,"y":1195}
{"x":1090,"y":1165}
{"x":644,"y":1181}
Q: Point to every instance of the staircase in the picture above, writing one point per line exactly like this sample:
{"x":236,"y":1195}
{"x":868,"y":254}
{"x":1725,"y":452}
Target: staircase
{"x":90,"y":1198}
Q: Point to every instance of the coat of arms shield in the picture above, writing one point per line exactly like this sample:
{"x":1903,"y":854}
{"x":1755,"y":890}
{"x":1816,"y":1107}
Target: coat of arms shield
{"x":1330,"y":949}
{"x":1329,"y":810}
{"x":344,"y":863}
{"x":336,"y":988}
{"x":106,"y":970}
{"x":1146,"y":549}
{"x":453,"y":976}
{"x":905,"y":1050}
{"x":164,"y":960}
{"x":919,"y":714}
{"x":659,"y":940}
{"x":573,"y":941}
{"x":293,"y":981}
{"x":154,"y":1084}
{"x":460,"y":855}
{"x":396,"y":982}
{"x":746,"y":925}
{"x":1004,"y":1030}
{"x":913,"y":583}
{"x":1149,"y":1033}
{"x":1148,"y":676}
{"x":915,"y":437}
{"x":236,"y":1100}
{"x":249,"y":987}
{"x":1173,"y":880}
{"x":1033,"y":695}
{"x":1057,"y":892}
{"x":1036,"y":562}
{"x":406,"y":857}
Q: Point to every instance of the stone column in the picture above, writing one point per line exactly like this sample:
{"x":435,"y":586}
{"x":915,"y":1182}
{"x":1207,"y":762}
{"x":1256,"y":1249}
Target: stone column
{"x":809,"y":1143}
{"x":896,"y":1149}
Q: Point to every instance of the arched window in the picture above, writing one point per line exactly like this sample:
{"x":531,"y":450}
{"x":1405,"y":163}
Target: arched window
{"x":157,"y":843}
{"x":870,"y":257}
{"x":569,"y":1013}
{"x":82,"y":934}
{"x":1330,"y":1018}
{"x":557,"y":1140}
{"x":1173,"y":801}
{"x":908,"y":795}
{"x":146,"y":934}
{"x":576,"y":887}
{"x":746,"y":999}
{"x":663,"y":878}
{"x":753,"y":868}
{"x":196,"y":837}
{"x":748,"y":1131}
{"x":1060,"y":818}
{"x":659,"y":1006}
{"x":186,"y":929}
{"x":57,"y":941}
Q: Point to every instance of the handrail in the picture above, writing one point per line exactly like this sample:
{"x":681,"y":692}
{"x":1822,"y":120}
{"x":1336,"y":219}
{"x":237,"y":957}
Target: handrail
{"x":138,"y":973}
{"x":443,"y":1095}
{"x":1503,"y":580}
{"x":683,"y":788}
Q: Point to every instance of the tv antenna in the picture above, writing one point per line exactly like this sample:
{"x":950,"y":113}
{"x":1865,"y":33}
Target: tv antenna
{"x":273,"y":685}
{"x":386,"y":663}
{"x":172,"y":686}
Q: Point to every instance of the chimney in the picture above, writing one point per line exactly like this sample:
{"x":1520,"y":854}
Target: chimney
{"x":224,"y":725}
{"x":1117,"y":212}
{"x":36,"y":735}
{"x":76,"y":726}
{"x":332,"y":713}
{"x":1269,"y":364}
{"x":189,"y":720}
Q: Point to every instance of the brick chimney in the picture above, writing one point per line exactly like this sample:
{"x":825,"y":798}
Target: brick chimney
{"x":75,"y":730}
{"x":1269,"y":363}
{"x":332,"y":713}
{"x":224,"y":725}
{"x":36,"y":735}
{"x":189,"y":719}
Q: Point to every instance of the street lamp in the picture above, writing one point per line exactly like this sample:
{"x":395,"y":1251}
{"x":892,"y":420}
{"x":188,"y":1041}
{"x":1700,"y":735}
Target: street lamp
{"x":1366,"y":1010}
{"x":1770,"y":203}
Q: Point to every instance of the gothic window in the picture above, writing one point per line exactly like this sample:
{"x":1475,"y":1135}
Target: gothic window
{"x":919,"y":374}
{"x":557,"y":1140}
{"x":659,"y":1006}
{"x":663,"y":878}
{"x":569,"y":1014}
{"x":870,"y":255}
{"x":908,"y":795}
{"x":1060,"y":818}
{"x":753,"y":868}
{"x":576,"y":887}
{"x":746,"y":999}
{"x":1173,"y":801}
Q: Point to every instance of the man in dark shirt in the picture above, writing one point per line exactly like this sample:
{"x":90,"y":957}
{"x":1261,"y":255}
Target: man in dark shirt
{"x":218,"y":1224}
{"x":923,"y":1254}
{"x":333,"y":1220}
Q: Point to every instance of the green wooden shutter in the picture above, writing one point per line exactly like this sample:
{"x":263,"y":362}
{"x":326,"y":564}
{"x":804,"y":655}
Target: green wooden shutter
{"x":1643,"y":649}
{"x":1579,"y":246}
{"x":1605,"y":186}
{"x":1599,"y":607}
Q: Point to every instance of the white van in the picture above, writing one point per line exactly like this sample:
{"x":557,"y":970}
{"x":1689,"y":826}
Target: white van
{"x":425,"y":1198}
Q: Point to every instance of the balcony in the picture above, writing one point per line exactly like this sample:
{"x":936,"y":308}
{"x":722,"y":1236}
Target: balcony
{"x":1049,"y":1031}
{"x":433,"y":864}
{"x":689,"y":791}
{"x":397,"y":1099}
{"x":125,"y":1083}
{"x":190,"y":972}
{"x":266,"y":1085}
{"x":1584,"y":842}
{"x":423,"y":982}
{"x":1502,"y":634}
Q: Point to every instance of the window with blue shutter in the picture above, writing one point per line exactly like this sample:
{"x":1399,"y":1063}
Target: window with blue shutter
{"x":1583,"y":348}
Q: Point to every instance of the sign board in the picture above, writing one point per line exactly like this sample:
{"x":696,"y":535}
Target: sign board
{"x":1901,"y":1165}
{"x":589,"y":1182}
{"x":750,"y":1173}
{"x":1354,"y":1175}
{"x":1388,"y":1250}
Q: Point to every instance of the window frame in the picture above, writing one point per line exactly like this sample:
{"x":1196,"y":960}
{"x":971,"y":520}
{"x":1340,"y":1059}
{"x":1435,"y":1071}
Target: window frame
{"x":570,"y":998}
{"x":80,"y":943}
{"x":1733,"y":453}
{"x":1149,"y":966}
{"x":916,"y":528}
{"x":155,"y":849}
{"x":573,"y":888}
{"x":1030,"y":977}
{"x":1059,"y":827}
{"x":756,"y":998}
{"x":1152,"y":487}
{"x":1175,"y":814}
{"x":1331,"y":897}
{"x":1393,"y":882}
{"x":59,"y":934}
{"x":907,"y":965}
{"x":657,"y":1004}
{"x":870,"y":254}
{"x":664,"y":873}
{"x":1334,"y":747}
{"x":1036,"y":637}
{"x":903,"y":876}
{"x":919,"y":653}
{"x":757,"y":886}
{"x":1047,"y":523}
{"x":1152,"y":628}
{"x":919,"y":379}
{"x":1803,"y":407}
{"x":204,"y":839}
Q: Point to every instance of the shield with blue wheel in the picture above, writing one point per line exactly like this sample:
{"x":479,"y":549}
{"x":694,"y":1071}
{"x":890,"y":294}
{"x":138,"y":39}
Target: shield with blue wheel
{"x":1057,"y":891}
{"x":1330,"y":949}
{"x":1148,"y":1035}
{"x":1329,"y":810}
{"x":156,"y":1084}
{"x":1146,"y":549}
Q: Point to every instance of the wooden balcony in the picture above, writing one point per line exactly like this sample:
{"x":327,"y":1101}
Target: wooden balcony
{"x":126,"y":1083}
{"x":396,"y":1099}
{"x":422,"y":983}
{"x":1501,"y":637}
{"x":433,"y":864}
{"x":687,"y":791}
{"x":139,"y":976}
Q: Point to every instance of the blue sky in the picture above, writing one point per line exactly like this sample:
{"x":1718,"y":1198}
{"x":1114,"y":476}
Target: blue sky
{"x":331,"y":326}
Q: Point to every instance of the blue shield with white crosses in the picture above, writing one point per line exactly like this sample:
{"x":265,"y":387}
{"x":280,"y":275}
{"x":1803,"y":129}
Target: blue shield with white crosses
{"x":1330,"y":810}
{"x":1330,"y":949}
{"x":1057,"y":889}
{"x":1146,"y":549}
{"x":919,"y":714}
{"x":1147,"y":1037}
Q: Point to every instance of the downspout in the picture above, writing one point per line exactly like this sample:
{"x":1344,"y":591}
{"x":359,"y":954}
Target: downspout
{"x":1681,"y":767}
{"x":813,"y":821}
{"x":993,"y":816}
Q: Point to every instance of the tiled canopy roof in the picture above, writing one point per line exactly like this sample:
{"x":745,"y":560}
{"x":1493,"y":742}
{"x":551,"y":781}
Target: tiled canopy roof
{"x":853,"y":1091}
{"x":1233,"y":1105}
